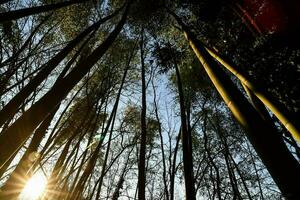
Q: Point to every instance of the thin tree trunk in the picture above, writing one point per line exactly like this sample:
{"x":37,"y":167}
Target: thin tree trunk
{"x":142,"y":152}
{"x":79,"y":181}
{"x":256,"y":173}
{"x":161,"y":143}
{"x":211,"y":161}
{"x":16,"y":14}
{"x":17,"y":180}
{"x":26,"y":43}
{"x":229,"y":158}
{"x":83,"y":161}
{"x":186,"y":143}
{"x":78,"y":189}
{"x":60,"y":77}
{"x":6,"y":166}
{"x":88,"y":170}
{"x":173,"y":170}
{"x":232,"y":177}
{"x":10,"y":109}
{"x":55,"y":131}
{"x":119,"y":186}
{"x":13,"y":67}
{"x":54,"y":177}
{"x":111,"y":131}
{"x":19,"y":131}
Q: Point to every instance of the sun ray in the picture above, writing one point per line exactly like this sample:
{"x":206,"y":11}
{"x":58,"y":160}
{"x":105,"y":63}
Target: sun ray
{"x":34,"y":187}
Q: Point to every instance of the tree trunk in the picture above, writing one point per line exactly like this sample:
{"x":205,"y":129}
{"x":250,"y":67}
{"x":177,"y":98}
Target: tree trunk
{"x":26,"y":43}
{"x":142,"y":152}
{"x":17,"y":180}
{"x":161,"y":144}
{"x":186,"y":143}
{"x":10,"y":109}
{"x":19,"y":131}
{"x":119,"y":186}
{"x":16,"y":14}
{"x":278,"y":110}
{"x":282,"y":166}
{"x":112,"y":126}
{"x":88,"y":170}
{"x":173,"y":170}
{"x":211,"y":161}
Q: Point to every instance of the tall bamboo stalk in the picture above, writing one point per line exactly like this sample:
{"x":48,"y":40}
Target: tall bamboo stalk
{"x":281,"y":113}
{"x":283,"y":167}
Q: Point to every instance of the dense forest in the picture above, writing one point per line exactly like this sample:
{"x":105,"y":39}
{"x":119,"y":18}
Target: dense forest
{"x":149,"y":99}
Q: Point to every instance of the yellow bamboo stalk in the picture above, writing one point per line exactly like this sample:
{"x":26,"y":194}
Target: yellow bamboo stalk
{"x":279,"y":113}
{"x":219,"y":85}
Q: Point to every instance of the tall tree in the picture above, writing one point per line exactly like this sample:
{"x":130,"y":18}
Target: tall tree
{"x":258,"y":131}
{"x":142,"y":150}
{"x":28,"y":121}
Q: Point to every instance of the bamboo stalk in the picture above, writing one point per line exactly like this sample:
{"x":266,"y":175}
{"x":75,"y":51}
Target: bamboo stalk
{"x":280,"y":113}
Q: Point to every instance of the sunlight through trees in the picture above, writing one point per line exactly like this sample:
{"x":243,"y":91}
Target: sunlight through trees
{"x":149,"y":99}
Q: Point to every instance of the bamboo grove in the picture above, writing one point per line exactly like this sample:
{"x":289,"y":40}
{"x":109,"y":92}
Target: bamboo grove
{"x":137,"y":99}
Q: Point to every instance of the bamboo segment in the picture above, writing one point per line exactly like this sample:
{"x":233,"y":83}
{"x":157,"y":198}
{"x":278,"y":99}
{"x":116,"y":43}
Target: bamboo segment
{"x":278,"y":112}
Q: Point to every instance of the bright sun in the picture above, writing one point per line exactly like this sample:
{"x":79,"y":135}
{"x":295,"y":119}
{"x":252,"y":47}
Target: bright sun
{"x":35,"y":187}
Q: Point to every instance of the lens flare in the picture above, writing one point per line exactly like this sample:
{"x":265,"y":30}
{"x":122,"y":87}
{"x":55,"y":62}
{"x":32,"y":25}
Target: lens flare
{"x":34,"y":188}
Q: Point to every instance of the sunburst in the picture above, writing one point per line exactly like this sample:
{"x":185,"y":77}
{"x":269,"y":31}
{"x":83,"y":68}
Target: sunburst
{"x":34,"y":187}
